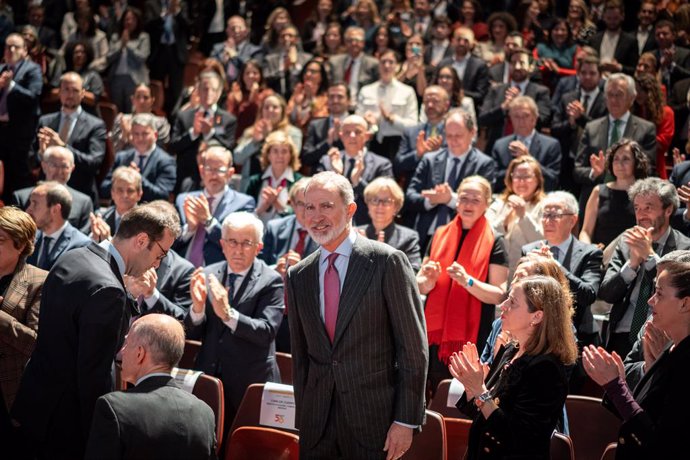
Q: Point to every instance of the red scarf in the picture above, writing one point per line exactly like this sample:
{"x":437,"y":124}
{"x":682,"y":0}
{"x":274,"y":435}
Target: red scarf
{"x":452,"y":313}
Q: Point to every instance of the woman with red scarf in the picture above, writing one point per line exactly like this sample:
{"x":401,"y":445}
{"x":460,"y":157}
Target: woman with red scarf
{"x":464,"y":276}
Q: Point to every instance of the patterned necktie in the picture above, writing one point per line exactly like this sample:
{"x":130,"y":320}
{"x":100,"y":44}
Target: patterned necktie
{"x":301,"y":241}
{"x":641,"y":306}
{"x":45,"y":251}
{"x":585,"y":103}
{"x":230,"y":284}
{"x":64,"y":129}
{"x":615,"y":132}
{"x":196,"y":253}
{"x":331,"y":296}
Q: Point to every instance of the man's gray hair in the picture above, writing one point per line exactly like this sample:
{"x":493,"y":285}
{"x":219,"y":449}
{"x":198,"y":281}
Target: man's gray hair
{"x":460,"y":114}
{"x":620,"y":78}
{"x":654,"y":186}
{"x":53,"y":150}
{"x":241,"y":219}
{"x":328,"y":179}
{"x":144,"y":119}
{"x":563,"y":198}
{"x":524,"y":101}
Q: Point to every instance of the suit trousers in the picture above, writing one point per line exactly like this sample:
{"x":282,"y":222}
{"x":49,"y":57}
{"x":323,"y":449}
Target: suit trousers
{"x":337,"y":442}
{"x":165,"y":64}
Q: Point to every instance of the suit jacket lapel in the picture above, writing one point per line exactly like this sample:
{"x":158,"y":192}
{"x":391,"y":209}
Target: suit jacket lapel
{"x":79,"y":126}
{"x":227,"y":198}
{"x":59,"y":246}
{"x":438,"y":173}
{"x":535,"y":146}
{"x":308,"y":299}
{"x":246,"y":288}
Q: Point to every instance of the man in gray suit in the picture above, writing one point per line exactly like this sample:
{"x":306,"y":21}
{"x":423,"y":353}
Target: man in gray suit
{"x":355,"y":68}
{"x":358,"y":335}
{"x":603,"y":132}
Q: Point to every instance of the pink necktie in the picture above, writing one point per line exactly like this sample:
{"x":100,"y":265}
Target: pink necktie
{"x":196,"y":253}
{"x":331,"y":295}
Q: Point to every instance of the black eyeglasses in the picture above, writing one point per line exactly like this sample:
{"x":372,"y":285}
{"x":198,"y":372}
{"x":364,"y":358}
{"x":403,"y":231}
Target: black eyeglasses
{"x":165,"y":253}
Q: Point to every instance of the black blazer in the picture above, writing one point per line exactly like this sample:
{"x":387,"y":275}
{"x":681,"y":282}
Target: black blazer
{"x":157,"y":179}
{"x":428,"y":54}
{"x":247,"y":355}
{"x":582,"y":266}
{"x":476,"y":79}
{"x":316,"y":144}
{"x":87,"y":144}
{"x":401,"y":238}
{"x":277,"y":238}
{"x":626,"y":52}
{"x":174,"y":278}
{"x":23,"y":101}
{"x":496,"y":72}
{"x":406,"y":160}
{"x":560,"y":127}
{"x":84,"y":317}
{"x":82,"y":207}
{"x":681,"y":68}
{"x":545,"y":149}
{"x":71,"y":238}
{"x":155,"y":419}
{"x":154,"y":27}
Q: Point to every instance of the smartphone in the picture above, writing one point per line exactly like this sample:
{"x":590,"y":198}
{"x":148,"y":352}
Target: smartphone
{"x":416,"y":50}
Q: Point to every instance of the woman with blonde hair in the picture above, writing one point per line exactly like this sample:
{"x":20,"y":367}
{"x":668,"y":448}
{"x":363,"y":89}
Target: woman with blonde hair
{"x":517,"y":406}
{"x":279,"y":165}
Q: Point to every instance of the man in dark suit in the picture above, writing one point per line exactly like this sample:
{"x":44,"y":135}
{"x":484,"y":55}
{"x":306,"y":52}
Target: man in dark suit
{"x":359,"y":345}
{"x":158,"y":169}
{"x":356,"y":163}
{"x":674,"y":61}
{"x":617,"y":49}
{"x":48,"y":36}
{"x":236,"y":50}
{"x":494,"y":110}
{"x":601,"y":133}
{"x":432,"y":197}
{"x":57,"y":165}
{"x":168,"y":29}
{"x":472,"y":70}
{"x":573,"y":110}
{"x":207,"y":124}
{"x":500,"y":72}
{"x":84,"y":317}
{"x":282,"y":68}
{"x":526,"y":140}
{"x":237,"y":308}
{"x":629,"y":280}
{"x":203,"y":211}
{"x":126,"y":193}
{"x":73,"y":128}
{"x":439,"y":48}
{"x":155,"y":418}
{"x":21,"y":83}
{"x":324,"y":133}
{"x":49,"y":207}
{"x":646,"y":17}
{"x":424,"y":138}
{"x":355,"y":68}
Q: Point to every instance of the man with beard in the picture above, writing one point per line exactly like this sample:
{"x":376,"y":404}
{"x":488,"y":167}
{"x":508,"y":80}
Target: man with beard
{"x":84,"y":317}
{"x":359,"y":347}
{"x":628,"y":283}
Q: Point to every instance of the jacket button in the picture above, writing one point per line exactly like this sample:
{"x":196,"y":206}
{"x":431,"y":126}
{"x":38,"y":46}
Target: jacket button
{"x":621,"y":440}
{"x":334,"y":362}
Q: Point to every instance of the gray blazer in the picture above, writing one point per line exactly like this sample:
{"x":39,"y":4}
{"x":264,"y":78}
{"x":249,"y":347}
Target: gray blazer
{"x":138,"y":51}
{"x":368,"y":70}
{"x":379,"y":357}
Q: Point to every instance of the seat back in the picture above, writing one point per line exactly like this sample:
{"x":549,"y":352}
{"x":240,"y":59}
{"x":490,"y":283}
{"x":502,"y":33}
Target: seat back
{"x":430,"y":443}
{"x":591,"y":426}
{"x":210,"y":390}
{"x":284,"y":361}
{"x":457,"y":436}
{"x":251,"y":443}
{"x":561,"y":447}
{"x":610,"y":452}
{"x":191,"y":350}
{"x":249,"y":412}
{"x":439,"y":402}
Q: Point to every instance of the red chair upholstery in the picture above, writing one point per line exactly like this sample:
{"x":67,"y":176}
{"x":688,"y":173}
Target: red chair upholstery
{"x":249,"y":412}
{"x":591,"y":426}
{"x":438,"y":402}
{"x":430,"y":443}
{"x":210,"y":390}
{"x":561,"y":447}
{"x":254,"y":443}
{"x":191,"y":349}
{"x":285,"y":367}
{"x":610,"y":452}
{"x":457,"y":436}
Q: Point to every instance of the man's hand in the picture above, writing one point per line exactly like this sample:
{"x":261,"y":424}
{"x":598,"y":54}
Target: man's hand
{"x":49,"y":137}
{"x":426,"y":145}
{"x":336,"y":160}
{"x":100,"y":230}
{"x":639,"y":240}
{"x":518,"y":149}
{"x":5,"y":78}
{"x":678,"y":158}
{"x":286,"y":261}
{"x":200,"y":207}
{"x":198,"y":290}
{"x":206,"y":125}
{"x":574,"y":110}
{"x":398,"y":441}
{"x":219,"y":298}
{"x":357,"y":170}
{"x":428,"y":276}
{"x":510,"y":94}
{"x":334,"y":132}
{"x":440,"y":194}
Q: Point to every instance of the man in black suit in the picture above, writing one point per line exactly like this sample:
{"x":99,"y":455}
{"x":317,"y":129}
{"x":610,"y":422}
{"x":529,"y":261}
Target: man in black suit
{"x":674,"y":61}
{"x":356,"y":163}
{"x":237,"y":308}
{"x":573,"y":111}
{"x":324,"y":133}
{"x":439,"y":48}
{"x":46,"y":35}
{"x":21,"y":83}
{"x":432,"y":196}
{"x":601,"y":133}
{"x":526,"y":140}
{"x":57,"y":165}
{"x":629,"y":280}
{"x":617,"y":49}
{"x":494,"y":110}
{"x":236,"y":50}
{"x":84,"y":317}
{"x":646,"y":17}
{"x":208,"y":123}
{"x":157,"y":168}
{"x":168,"y":29}
{"x":155,"y":418}
{"x":358,"y":335}
{"x":73,"y":128}
{"x":49,"y":207}
{"x":500,"y":72}
{"x":355,"y":68}
{"x":282,"y":68}
{"x":126,"y":192}
{"x":472,"y":70}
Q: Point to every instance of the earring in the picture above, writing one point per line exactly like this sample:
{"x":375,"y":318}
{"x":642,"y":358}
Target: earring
{"x":531,"y":324}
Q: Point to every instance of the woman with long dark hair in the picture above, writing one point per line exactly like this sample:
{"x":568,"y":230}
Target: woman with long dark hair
{"x":247,"y":93}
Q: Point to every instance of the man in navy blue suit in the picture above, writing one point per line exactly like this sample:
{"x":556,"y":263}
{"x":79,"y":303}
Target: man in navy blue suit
{"x":157,"y":168}
{"x":432,"y":195}
{"x":49,"y":207}
{"x":525,"y":140}
{"x":203,"y":211}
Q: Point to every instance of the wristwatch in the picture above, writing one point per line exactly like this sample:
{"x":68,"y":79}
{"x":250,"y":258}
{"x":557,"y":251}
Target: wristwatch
{"x":480,"y":400}
{"x":208,"y":221}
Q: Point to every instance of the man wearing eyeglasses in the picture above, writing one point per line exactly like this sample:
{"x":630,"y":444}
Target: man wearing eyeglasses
{"x":237,"y":308}
{"x":203,"y":211}
{"x":580,"y":262}
{"x":57,"y":165}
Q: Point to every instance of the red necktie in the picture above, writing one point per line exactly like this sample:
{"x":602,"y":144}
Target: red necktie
{"x":302,"y":239}
{"x":331,"y":295}
{"x":348,"y":71}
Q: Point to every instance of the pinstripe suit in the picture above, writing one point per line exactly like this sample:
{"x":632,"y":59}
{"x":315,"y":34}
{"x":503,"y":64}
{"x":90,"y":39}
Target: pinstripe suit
{"x":18,"y":325}
{"x":376,"y":367}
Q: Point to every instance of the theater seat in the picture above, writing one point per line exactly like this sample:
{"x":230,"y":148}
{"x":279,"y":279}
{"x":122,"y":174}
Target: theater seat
{"x":430,"y":444}
{"x":284,"y":361}
{"x":249,"y":412}
{"x":561,"y":447}
{"x":591,"y":426}
{"x":191,"y":349}
{"x":440,"y":399}
{"x":210,"y":390}
{"x":457,"y":436}
{"x":254,"y":443}
{"x":610,"y":452}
